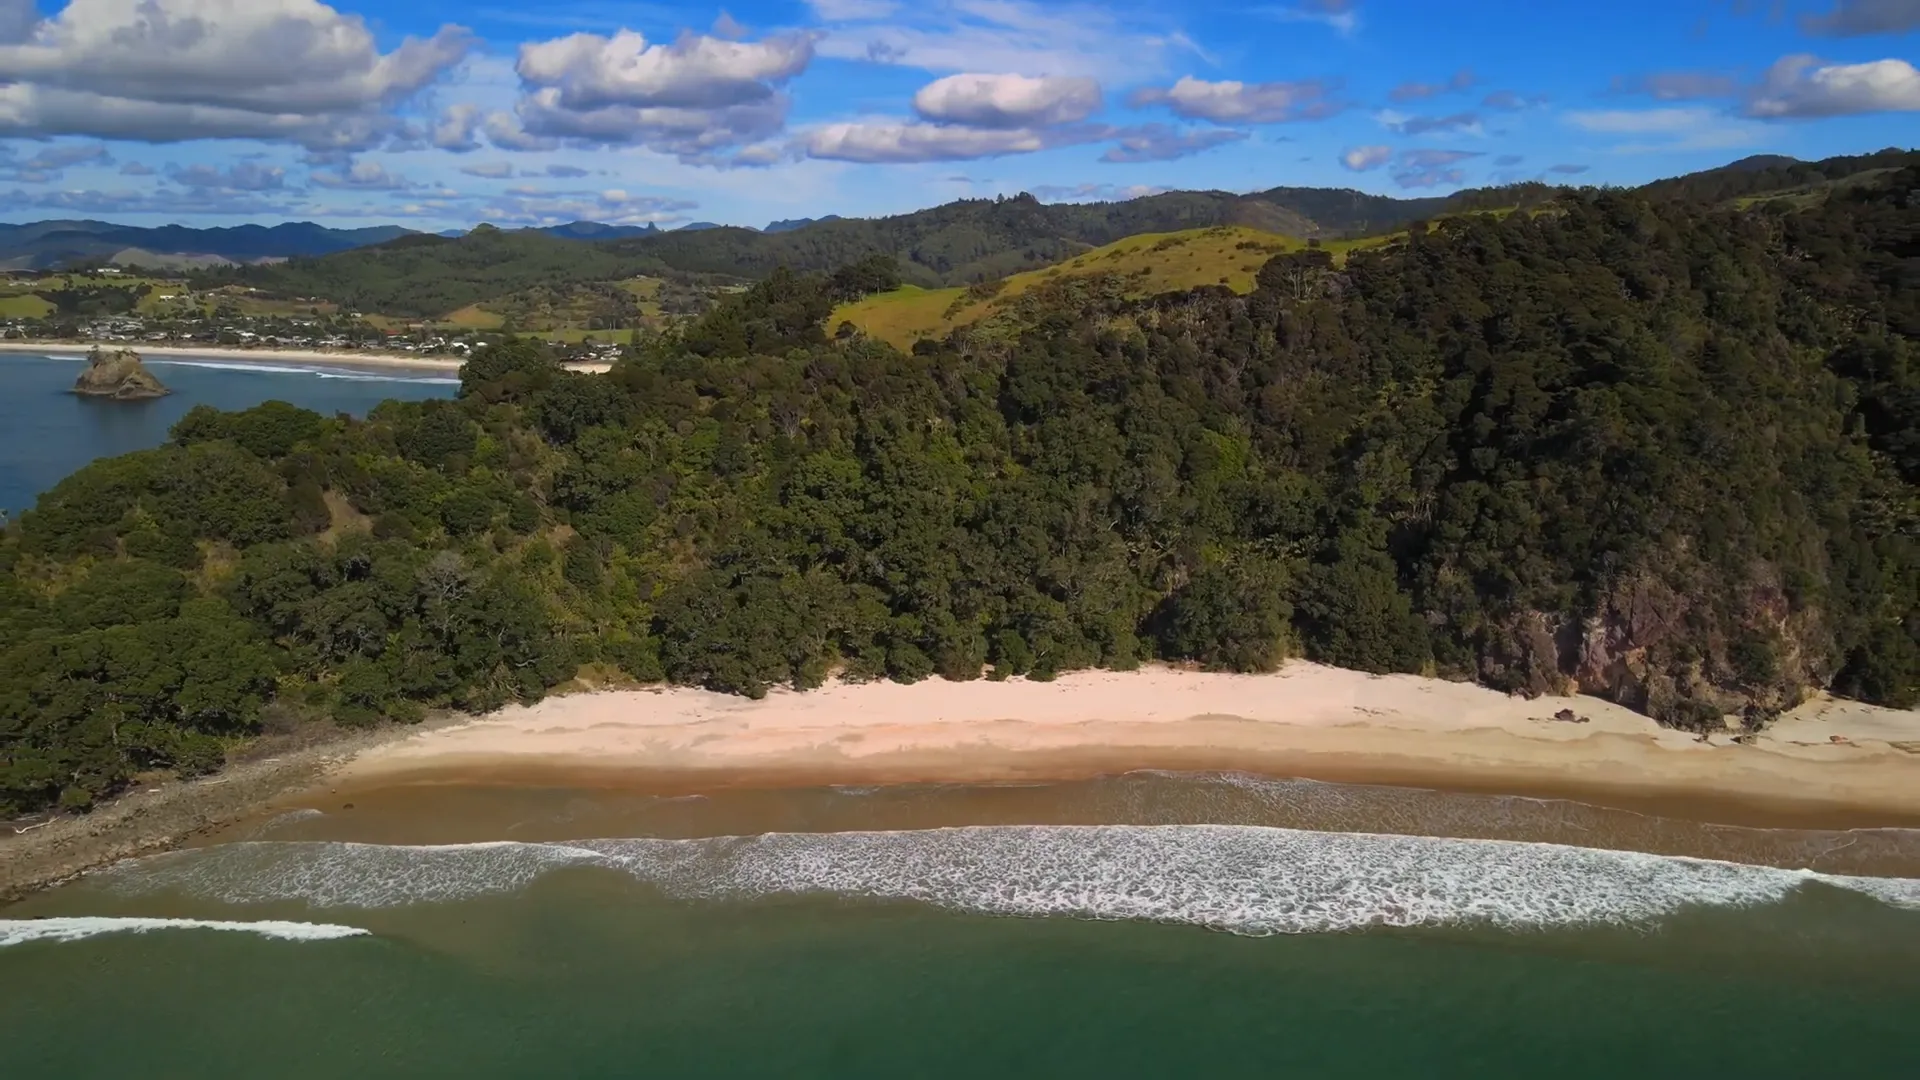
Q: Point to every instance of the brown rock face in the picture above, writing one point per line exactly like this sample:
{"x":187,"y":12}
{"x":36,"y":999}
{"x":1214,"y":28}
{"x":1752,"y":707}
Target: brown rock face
{"x":118,"y":376}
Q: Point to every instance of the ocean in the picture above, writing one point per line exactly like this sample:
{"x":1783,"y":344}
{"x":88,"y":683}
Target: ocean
{"x":46,"y":432}
{"x":1151,"y":924}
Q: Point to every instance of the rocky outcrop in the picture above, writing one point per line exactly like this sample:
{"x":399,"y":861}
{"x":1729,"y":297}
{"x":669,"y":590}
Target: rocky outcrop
{"x":118,"y":376}
{"x":1700,"y":658}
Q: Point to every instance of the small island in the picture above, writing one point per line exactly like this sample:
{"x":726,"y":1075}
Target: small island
{"x":118,"y":376}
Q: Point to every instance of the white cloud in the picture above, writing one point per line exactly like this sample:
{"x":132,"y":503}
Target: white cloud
{"x":454,"y":131}
{"x":1159,"y":142}
{"x":168,"y":202}
{"x":696,"y":72}
{"x":1007,"y":101}
{"x":1801,"y":86}
{"x":1241,"y":102}
{"x":172,"y":70}
{"x":1362,"y":158}
{"x":1464,"y":123}
{"x":364,"y":175}
{"x":853,"y":10}
{"x":505,"y":131}
{"x":696,"y":98}
{"x":1675,"y":129}
{"x":1338,"y":14}
{"x":533,"y":207}
{"x":902,"y":142}
{"x":244,"y":176}
{"x":1427,"y":178}
{"x":1023,"y":37}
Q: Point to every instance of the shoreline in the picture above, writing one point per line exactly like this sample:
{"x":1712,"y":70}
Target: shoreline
{"x":258,"y":356}
{"x":1306,"y":722}
{"x":373,"y":360}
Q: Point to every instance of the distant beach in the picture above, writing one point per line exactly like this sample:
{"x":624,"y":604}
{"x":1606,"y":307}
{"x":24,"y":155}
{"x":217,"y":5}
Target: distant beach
{"x":262,"y":356}
{"x":355,"y":358}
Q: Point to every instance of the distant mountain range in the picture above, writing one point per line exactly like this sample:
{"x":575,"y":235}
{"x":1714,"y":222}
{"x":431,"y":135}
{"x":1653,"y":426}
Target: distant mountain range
{"x":45,"y":245}
{"x":957,"y":243}
{"x":53,"y":245}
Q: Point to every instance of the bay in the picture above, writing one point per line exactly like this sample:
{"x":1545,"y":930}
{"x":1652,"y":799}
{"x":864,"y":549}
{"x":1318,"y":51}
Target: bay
{"x":47,"y":432}
{"x":964,"y":931}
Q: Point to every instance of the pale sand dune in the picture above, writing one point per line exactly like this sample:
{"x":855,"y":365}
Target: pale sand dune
{"x":1308,"y":720}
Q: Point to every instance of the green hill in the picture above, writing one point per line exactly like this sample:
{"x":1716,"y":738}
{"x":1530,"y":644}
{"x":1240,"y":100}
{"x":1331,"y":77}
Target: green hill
{"x":1641,"y":447}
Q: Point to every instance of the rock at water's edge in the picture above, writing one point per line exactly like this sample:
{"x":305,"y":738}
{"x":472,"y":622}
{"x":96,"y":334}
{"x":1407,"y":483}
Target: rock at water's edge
{"x":118,"y":376}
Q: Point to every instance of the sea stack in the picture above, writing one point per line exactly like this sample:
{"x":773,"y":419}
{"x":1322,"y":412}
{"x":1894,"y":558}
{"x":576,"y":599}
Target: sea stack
{"x":119,"y":376}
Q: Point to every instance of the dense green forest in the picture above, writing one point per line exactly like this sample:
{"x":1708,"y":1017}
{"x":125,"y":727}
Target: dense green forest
{"x":1642,"y":447}
{"x":955,"y":244}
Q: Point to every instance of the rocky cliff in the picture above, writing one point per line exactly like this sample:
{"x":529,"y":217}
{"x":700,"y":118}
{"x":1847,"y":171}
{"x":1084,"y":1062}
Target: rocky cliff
{"x":118,"y":375}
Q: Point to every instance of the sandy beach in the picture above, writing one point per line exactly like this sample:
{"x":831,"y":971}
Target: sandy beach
{"x":257,"y":356}
{"x":1828,"y":757}
{"x":280,"y":356}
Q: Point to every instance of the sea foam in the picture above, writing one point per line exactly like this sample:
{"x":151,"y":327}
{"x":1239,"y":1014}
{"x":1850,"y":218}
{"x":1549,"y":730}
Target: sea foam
{"x":1245,"y":879}
{"x":21,"y":931}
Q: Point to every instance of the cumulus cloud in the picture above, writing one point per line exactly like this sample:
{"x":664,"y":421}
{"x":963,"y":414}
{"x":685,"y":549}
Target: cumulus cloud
{"x":1801,"y":86}
{"x":1007,"y":101}
{"x":1419,"y":91}
{"x":489,"y":170}
{"x":173,"y":70}
{"x":905,"y":142}
{"x":456,"y":128}
{"x":1362,"y":158}
{"x":565,"y":172}
{"x":1241,"y":102}
{"x":505,"y":131}
{"x":1160,"y":142}
{"x":694,"y":98}
{"x":967,"y":116}
{"x":363,"y":175}
{"x":244,"y":176}
{"x":1856,"y":18}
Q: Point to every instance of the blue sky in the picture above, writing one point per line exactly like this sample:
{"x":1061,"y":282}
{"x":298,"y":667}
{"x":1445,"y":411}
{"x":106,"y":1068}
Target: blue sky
{"x":436,"y":114}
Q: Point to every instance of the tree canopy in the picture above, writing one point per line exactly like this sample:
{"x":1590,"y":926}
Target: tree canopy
{"x":1639,"y":447}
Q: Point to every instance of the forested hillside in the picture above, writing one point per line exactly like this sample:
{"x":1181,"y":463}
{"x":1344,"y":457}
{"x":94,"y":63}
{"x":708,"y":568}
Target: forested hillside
{"x":1629,"y":445}
{"x":955,"y":244}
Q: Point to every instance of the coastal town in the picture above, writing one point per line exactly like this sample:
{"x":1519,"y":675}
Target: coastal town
{"x":109,"y":307}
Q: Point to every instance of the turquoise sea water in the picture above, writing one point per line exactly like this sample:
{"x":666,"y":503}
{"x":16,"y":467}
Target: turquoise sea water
{"x":46,"y":432}
{"x":332,"y":941}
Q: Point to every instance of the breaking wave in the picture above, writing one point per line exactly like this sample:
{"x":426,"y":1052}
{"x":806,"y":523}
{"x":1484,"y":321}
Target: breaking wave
{"x":1244,"y":879}
{"x":21,"y":931}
